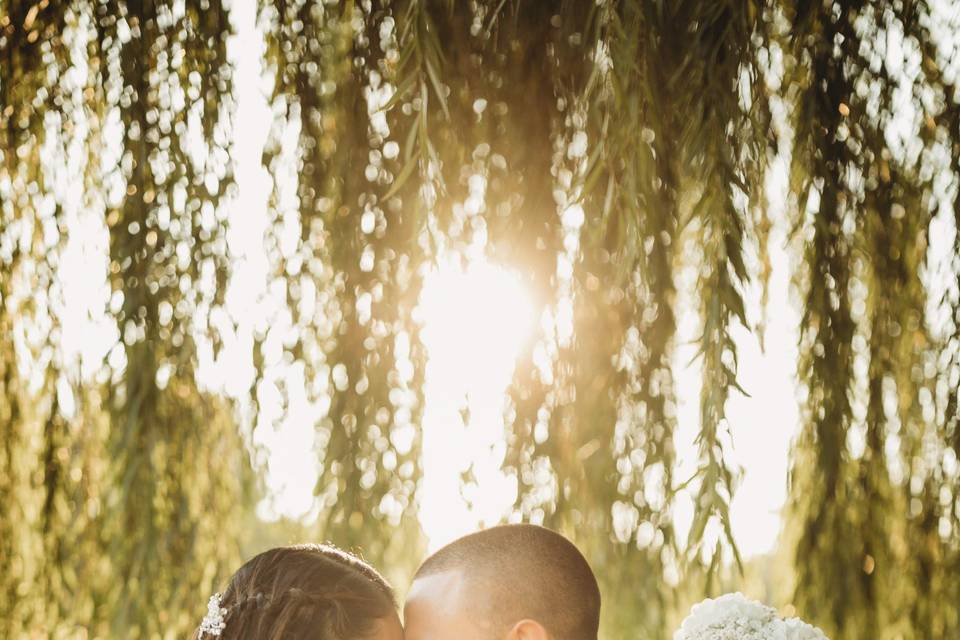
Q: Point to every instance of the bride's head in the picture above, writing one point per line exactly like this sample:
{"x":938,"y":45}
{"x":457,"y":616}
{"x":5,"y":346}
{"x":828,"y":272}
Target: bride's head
{"x":304,"y":591}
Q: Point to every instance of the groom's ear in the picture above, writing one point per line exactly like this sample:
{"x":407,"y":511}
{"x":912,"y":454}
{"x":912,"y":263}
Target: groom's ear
{"x":528,"y":630}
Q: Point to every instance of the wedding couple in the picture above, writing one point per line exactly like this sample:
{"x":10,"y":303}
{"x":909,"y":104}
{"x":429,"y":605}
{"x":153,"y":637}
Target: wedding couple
{"x":513,"y":582}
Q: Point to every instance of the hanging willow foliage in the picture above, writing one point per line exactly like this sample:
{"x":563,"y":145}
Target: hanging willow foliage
{"x":124,"y":482}
{"x":601,"y":150}
{"x":827,"y":328}
{"x":43,"y":465}
{"x":175,"y":482}
{"x":332,"y":64}
{"x":873,"y":443}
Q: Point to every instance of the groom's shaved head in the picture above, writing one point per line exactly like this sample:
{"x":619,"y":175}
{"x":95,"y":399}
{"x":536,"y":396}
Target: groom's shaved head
{"x":510,"y":573}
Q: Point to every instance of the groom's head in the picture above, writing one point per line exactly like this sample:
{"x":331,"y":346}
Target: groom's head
{"x":515,"y":582}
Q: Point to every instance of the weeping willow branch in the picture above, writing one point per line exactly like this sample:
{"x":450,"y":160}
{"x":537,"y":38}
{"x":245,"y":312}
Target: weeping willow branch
{"x":724,"y":155}
{"x":356,"y":240}
{"x":827,"y":332}
{"x":178,"y":488}
{"x":31,"y":424}
{"x":632,"y":182}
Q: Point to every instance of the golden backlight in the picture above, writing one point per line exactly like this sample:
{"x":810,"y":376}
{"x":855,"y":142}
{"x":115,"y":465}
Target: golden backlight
{"x":475,"y":319}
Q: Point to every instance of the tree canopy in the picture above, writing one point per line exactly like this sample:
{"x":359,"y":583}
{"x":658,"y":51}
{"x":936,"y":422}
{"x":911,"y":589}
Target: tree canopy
{"x":619,"y":155}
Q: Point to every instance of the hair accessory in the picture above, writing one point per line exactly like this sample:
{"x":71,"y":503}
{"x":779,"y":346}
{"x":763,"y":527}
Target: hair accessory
{"x":213,"y":623}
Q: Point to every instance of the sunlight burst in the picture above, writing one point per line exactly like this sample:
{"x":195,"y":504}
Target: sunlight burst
{"x":475,"y":320}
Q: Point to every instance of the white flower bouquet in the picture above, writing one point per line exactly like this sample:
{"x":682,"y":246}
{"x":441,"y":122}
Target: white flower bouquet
{"x":735,"y":617}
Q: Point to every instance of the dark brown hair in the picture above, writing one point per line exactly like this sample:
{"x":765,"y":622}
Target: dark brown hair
{"x":304,"y":591}
{"x":524,"y":571}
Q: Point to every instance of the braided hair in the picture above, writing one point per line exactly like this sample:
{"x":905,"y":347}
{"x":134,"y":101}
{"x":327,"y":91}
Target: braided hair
{"x":304,"y":591}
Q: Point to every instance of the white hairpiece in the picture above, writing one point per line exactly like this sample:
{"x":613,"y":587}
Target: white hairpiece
{"x":213,"y":623}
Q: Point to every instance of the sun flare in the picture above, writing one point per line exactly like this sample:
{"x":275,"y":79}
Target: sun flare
{"x":479,"y":316}
{"x":475,"y":319}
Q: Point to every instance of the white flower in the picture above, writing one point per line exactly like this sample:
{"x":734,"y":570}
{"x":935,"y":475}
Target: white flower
{"x":735,"y":617}
{"x":797,"y":629}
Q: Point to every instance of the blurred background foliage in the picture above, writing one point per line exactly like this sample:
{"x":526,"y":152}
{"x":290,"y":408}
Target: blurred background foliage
{"x":615,"y":154}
